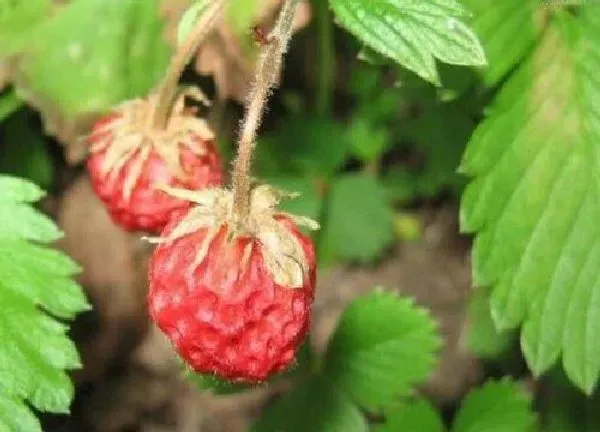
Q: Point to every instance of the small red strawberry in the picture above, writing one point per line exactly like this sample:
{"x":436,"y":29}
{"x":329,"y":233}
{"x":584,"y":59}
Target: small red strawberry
{"x":130,"y":157}
{"x":234,"y":297}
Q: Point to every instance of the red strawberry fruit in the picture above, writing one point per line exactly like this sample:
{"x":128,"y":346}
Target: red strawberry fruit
{"x":233,"y":297}
{"x":130,"y":158}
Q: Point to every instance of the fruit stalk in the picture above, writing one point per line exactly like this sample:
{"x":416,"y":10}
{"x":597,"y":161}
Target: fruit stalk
{"x":167,"y":90}
{"x":267,"y":74}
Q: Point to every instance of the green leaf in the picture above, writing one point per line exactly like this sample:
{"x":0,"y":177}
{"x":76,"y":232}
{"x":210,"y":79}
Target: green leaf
{"x":535,"y":200}
{"x":85,"y":64}
{"x":17,"y":19}
{"x":314,"y":405}
{"x":413,"y":33}
{"x":483,"y":339}
{"x":217,"y":385}
{"x":241,"y":15}
{"x":301,"y":367}
{"x":499,"y":406}
{"x":18,"y":191}
{"x":346,"y":230}
{"x":441,"y":133}
{"x":383,"y":346}
{"x":303,"y":144}
{"x":508,"y":31}
{"x":35,"y":285}
{"x":437,"y":137}
{"x":367,"y":142}
{"x":418,"y":416}
{"x":16,"y":416}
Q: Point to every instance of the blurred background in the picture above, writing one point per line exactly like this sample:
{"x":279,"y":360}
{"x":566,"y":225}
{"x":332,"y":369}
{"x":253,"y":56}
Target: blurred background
{"x":373,"y":149}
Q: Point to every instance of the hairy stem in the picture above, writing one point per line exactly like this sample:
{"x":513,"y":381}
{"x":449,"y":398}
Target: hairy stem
{"x":167,"y":90}
{"x":267,"y":74}
{"x":326,"y":56}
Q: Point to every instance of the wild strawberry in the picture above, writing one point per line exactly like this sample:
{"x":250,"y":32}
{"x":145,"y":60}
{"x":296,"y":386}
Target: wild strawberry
{"x":234,"y":297}
{"x":130,"y":157}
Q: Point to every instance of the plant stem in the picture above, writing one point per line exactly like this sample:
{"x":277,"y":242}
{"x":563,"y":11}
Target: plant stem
{"x":167,"y":90}
{"x":267,"y":74}
{"x":326,"y":56}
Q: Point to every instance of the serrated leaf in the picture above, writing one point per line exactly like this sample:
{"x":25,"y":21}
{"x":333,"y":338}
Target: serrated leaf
{"x":34,"y":282}
{"x":85,"y":64}
{"x":382,"y":347}
{"x":314,"y":405}
{"x":15,"y":190}
{"x":413,"y":33}
{"x":16,"y":417}
{"x":346,"y":230}
{"x":508,"y":31}
{"x":483,"y":339}
{"x":536,"y":198}
{"x":416,"y":416}
{"x":499,"y":406}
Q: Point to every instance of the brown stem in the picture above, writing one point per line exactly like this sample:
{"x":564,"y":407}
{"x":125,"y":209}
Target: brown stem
{"x":267,"y":74}
{"x":167,"y":90}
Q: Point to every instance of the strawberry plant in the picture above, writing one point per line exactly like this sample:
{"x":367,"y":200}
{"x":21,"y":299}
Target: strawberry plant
{"x":363,"y":122}
{"x":38,"y":294}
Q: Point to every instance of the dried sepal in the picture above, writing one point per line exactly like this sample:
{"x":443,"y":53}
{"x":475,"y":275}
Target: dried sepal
{"x":132,"y":133}
{"x":283,"y":254}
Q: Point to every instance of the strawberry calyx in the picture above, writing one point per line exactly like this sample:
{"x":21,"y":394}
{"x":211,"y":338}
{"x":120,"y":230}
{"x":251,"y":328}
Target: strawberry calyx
{"x":283,"y":254}
{"x":132,"y":133}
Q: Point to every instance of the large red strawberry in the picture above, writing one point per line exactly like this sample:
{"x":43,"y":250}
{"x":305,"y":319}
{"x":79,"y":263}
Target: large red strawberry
{"x":234,"y":296}
{"x":130,"y":158}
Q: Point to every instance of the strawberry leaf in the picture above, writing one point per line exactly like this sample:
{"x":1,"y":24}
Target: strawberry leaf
{"x":314,"y":405}
{"x":83,"y":64}
{"x":535,"y":200}
{"x":346,"y":230}
{"x":508,"y":31}
{"x":303,"y":145}
{"x":383,"y":346}
{"x":413,"y":33}
{"x":17,"y":19}
{"x":501,"y":406}
{"x":483,"y":339}
{"x":416,"y":416}
{"x":35,"y":288}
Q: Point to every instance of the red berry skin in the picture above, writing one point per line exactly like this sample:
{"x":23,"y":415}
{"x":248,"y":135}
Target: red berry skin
{"x":222,"y":319}
{"x":149,"y":209}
